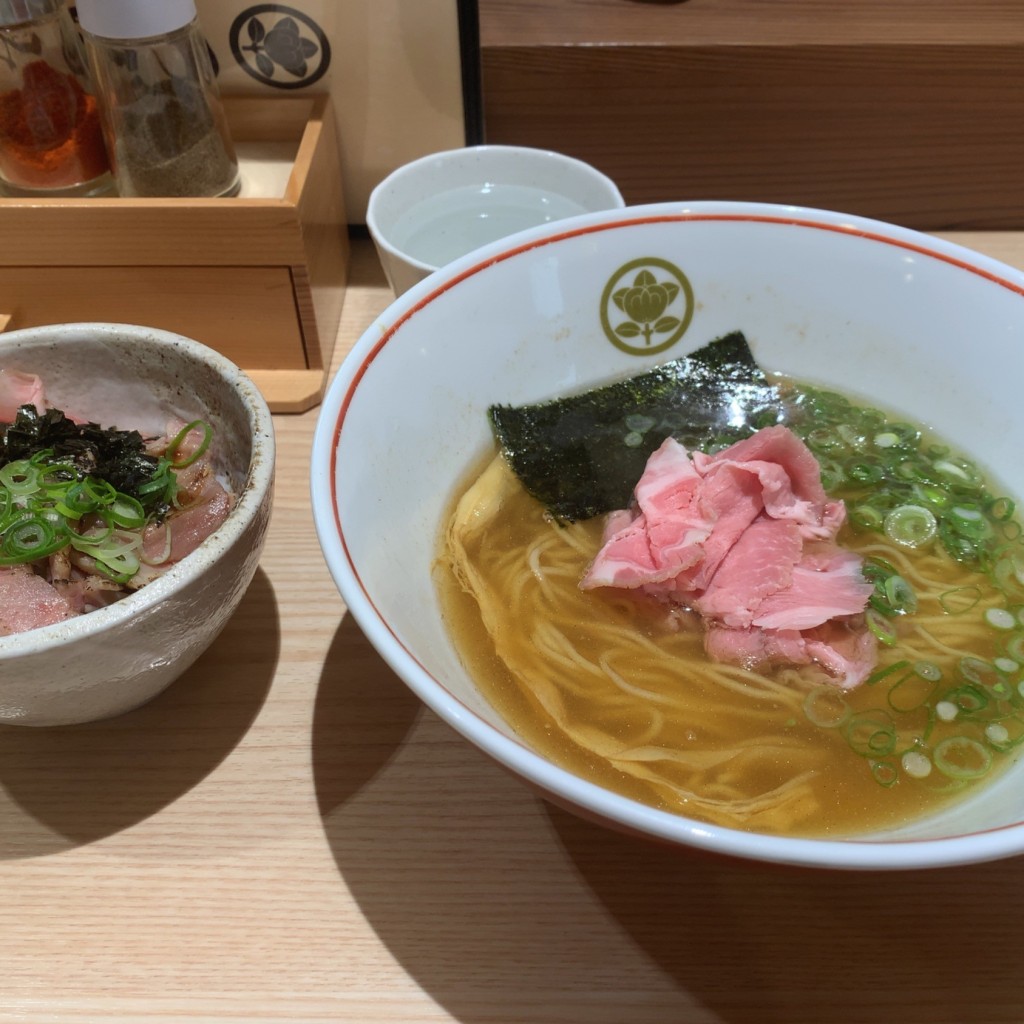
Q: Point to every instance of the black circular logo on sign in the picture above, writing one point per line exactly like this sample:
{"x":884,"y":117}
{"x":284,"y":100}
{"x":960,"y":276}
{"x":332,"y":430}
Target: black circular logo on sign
{"x":280,"y":46}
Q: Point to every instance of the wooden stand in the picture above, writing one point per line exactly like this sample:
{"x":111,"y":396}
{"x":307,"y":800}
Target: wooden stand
{"x":261,"y":280}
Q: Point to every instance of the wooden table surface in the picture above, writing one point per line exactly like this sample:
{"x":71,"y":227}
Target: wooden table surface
{"x":286,"y":834}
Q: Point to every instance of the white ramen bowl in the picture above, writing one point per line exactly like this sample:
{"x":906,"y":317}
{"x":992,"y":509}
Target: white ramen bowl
{"x":920,"y":325}
{"x":113,"y":659}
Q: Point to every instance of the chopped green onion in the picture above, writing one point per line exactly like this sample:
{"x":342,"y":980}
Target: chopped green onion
{"x":957,"y":545}
{"x":831,"y":472}
{"x":900,"y":595}
{"x":639,"y":423}
{"x":1001,"y":509}
{"x":865,"y":472}
{"x":172,"y":448}
{"x":120,"y":568}
{"x":20,"y":477}
{"x":823,"y":440}
{"x":931,"y":495}
{"x":968,"y":521}
{"x":997,"y":733}
{"x":1015,"y":647}
{"x":916,"y":764}
{"x":911,"y":692}
{"x":870,"y":733}
{"x":56,"y":476}
{"x":1010,"y":529}
{"x":75,"y":502}
{"x":962,"y":473}
{"x":969,"y":699}
{"x":824,"y":706}
{"x":1000,"y":618}
{"x":910,"y":525}
{"x":95,"y":533}
{"x":884,"y":773}
{"x":883,"y":673}
{"x":880,"y":627}
{"x":851,"y":435}
{"x":975,"y":670}
{"x":960,"y":757}
{"x":100,"y":492}
{"x":126,"y":511}
{"x":866,"y":517}
{"x":906,"y":433}
{"x":29,"y":539}
{"x":959,"y":600}
{"x":876,"y":568}
{"x":1009,"y":568}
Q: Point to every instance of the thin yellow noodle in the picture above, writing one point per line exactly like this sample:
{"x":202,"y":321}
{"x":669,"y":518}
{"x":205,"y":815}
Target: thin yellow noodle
{"x":716,"y":741}
{"x":939,"y":645}
{"x":921,"y":572}
{"x":636,"y":691}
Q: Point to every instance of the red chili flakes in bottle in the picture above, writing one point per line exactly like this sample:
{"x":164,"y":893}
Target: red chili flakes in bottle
{"x":50,"y":132}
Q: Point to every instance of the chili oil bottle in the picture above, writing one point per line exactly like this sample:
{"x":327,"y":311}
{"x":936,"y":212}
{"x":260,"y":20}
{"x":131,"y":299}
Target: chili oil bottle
{"x":51,"y":140}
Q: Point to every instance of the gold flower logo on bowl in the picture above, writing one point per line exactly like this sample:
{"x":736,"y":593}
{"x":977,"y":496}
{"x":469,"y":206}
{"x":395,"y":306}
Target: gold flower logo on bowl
{"x":646,"y":306}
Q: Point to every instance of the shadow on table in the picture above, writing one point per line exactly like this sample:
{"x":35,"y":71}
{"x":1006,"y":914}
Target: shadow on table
{"x":507,"y":906}
{"x":363,"y":713}
{"x":467,"y":894}
{"x":65,"y":786}
{"x":761,"y":943}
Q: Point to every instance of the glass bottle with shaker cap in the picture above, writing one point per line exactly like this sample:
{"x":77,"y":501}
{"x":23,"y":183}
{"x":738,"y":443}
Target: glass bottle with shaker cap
{"x":51,"y":141}
{"x":161,"y":109}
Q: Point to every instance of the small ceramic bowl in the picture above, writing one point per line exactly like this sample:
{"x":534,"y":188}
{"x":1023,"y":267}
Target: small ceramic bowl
{"x":912,"y":322}
{"x":431,"y":211}
{"x":111,"y":660}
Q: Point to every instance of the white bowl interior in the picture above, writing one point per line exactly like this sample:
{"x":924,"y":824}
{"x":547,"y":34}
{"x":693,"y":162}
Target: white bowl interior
{"x":918,"y":325}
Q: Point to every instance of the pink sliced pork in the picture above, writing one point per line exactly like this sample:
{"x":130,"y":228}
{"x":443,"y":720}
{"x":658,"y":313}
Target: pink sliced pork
{"x":745,"y":537}
{"x":71,"y":582}
{"x":188,"y":528}
{"x":27,"y":601}
{"x":845,"y":650}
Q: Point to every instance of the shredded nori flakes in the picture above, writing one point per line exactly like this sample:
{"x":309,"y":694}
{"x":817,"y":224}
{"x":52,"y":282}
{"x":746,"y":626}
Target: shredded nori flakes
{"x":117,"y":456}
{"x":582,"y":455}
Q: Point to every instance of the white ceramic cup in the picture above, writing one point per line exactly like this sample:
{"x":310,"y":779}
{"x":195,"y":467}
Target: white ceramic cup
{"x":432,"y":211}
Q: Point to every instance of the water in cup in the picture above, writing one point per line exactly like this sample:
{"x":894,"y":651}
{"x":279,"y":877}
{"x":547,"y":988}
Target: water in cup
{"x":451,"y":223}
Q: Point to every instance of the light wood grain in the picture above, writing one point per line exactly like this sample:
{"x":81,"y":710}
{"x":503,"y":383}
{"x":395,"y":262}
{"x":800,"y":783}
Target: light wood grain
{"x":902,"y":111}
{"x":246,"y":313}
{"x":286,"y":835}
{"x":260,"y":280}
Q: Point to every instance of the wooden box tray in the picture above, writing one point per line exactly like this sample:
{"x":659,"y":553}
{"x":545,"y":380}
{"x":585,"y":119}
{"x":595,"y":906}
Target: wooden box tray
{"x":260,"y":278}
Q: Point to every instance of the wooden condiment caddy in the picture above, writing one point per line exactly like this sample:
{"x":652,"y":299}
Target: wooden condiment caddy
{"x":261,"y":280}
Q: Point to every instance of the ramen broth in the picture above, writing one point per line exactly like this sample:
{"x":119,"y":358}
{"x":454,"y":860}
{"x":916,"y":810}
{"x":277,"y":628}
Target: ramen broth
{"x":614,"y":689}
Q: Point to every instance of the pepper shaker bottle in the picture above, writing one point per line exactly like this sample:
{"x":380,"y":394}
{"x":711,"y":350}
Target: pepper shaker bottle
{"x":159,"y":102}
{"x":51,"y":141}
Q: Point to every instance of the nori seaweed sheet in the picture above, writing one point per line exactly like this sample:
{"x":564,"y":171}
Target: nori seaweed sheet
{"x":583,"y":454}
